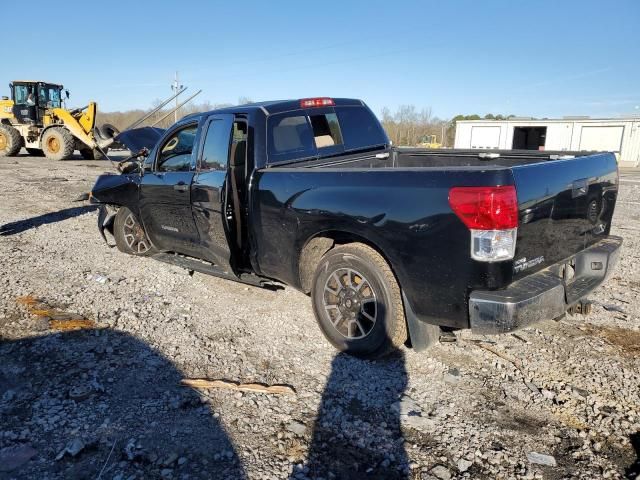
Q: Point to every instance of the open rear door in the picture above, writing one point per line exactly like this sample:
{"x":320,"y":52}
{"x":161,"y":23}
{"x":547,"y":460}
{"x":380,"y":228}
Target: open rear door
{"x":209,"y":191}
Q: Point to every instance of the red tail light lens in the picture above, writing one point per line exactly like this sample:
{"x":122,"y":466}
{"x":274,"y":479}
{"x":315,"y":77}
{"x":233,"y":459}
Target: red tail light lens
{"x":485,"y":208}
{"x":316,"y":102}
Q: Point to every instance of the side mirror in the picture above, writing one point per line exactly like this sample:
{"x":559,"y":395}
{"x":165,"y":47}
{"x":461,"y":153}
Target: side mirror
{"x":66,"y":92}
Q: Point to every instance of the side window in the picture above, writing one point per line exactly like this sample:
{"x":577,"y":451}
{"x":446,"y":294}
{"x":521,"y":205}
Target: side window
{"x":175,"y":153}
{"x":215,"y":150}
{"x":360,"y":128}
{"x":326,"y":130}
{"x":54,"y":98}
{"x":290,"y":137}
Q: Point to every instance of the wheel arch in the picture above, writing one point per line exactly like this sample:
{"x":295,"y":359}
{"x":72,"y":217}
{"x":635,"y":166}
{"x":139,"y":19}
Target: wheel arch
{"x":320,"y":243}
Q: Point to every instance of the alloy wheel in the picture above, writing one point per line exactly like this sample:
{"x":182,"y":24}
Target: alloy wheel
{"x":350,"y":303}
{"x":134,"y":235}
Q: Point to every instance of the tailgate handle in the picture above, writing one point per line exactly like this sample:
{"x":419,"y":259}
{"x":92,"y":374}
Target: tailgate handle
{"x":181,"y":187}
{"x":579,"y":188}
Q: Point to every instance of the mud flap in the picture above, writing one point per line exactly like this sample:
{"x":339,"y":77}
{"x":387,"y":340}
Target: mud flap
{"x":422,"y":335}
{"x":105,"y":222}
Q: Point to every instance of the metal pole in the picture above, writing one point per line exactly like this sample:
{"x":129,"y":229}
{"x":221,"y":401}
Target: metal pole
{"x":178,"y":106}
{"x":139,"y":121}
{"x":176,"y":87}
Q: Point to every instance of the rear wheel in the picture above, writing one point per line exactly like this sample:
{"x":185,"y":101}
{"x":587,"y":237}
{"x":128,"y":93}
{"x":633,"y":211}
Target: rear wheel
{"x":87,"y":153}
{"x":35,"y":152}
{"x":10,"y":141}
{"x":92,"y":154}
{"x":130,"y":236}
{"x":357,"y":302}
{"x":57,"y":143}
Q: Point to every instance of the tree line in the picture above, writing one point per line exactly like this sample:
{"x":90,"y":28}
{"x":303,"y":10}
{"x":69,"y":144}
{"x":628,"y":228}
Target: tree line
{"x":406,"y":126}
{"x":163,"y":118}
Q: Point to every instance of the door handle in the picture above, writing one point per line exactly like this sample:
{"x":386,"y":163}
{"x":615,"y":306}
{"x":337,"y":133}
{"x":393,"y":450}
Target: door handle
{"x":181,"y":187}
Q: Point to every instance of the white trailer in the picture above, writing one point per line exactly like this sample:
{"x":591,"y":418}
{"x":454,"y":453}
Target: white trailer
{"x":621,"y":136}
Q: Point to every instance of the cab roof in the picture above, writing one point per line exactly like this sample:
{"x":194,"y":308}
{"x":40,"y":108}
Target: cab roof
{"x":278,"y":106}
{"x":38,"y":81}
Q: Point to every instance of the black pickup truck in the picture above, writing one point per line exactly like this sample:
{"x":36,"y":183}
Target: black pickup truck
{"x":392,"y":244}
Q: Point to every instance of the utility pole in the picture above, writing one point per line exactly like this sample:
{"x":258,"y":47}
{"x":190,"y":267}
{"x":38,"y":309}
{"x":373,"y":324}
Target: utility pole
{"x":176,"y":87}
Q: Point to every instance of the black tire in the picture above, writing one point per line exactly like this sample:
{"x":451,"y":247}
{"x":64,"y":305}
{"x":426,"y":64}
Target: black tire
{"x":35,"y":152}
{"x":87,"y":153}
{"x":57,"y":143}
{"x":92,"y":154}
{"x":108,"y":131}
{"x":10,"y":141}
{"x":353,"y":284}
{"x":130,"y":235}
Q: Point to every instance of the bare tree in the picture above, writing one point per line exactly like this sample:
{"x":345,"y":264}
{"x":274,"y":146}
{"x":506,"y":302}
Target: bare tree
{"x":409,"y":127}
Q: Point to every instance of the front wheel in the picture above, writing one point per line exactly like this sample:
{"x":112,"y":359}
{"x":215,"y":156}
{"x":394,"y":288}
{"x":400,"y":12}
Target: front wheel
{"x":130,"y":236}
{"x":357,"y":302}
{"x":58,"y":143}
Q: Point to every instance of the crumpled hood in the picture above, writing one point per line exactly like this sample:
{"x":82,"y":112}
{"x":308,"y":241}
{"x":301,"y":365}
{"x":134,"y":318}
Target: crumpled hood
{"x":138,"y":138}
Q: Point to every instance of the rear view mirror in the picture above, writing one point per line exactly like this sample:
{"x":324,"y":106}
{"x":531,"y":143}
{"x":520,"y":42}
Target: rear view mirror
{"x":66,"y":92}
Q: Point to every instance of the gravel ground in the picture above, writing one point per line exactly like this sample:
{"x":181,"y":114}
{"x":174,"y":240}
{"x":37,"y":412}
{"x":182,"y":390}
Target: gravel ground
{"x":558,"y":400}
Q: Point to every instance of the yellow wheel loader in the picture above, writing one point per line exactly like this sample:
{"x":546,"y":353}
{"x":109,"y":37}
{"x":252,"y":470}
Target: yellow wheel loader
{"x":429,"y":141}
{"x":35,"y":118}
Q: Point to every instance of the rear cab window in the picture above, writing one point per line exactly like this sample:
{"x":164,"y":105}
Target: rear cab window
{"x":360,"y":127}
{"x":322,"y":132}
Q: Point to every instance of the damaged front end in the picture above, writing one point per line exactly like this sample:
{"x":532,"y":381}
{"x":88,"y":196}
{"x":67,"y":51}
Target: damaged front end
{"x":106,"y":216}
{"x":113,"y":191}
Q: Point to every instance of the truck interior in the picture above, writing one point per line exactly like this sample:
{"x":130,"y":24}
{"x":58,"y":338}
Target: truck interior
{"x":238,"y":179}
{"x":529,"y":138}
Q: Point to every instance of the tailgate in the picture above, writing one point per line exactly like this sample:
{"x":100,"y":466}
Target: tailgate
{"x":564,"y":207}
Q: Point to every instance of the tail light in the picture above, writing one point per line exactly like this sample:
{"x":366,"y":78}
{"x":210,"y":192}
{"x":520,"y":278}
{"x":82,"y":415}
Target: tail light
{"x":491,"y":214}
{"x":316,"y":102}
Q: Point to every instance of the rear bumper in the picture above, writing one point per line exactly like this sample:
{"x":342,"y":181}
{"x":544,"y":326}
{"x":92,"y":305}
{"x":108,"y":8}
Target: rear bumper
{"x":543,"y":295}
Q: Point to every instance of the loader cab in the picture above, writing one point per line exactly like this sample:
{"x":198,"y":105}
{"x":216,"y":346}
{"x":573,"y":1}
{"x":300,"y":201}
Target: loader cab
{"x":44,"y":96}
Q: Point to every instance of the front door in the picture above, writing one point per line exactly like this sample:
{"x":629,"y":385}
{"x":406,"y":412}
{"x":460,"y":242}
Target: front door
{"x":210,"y":189}
{"x":165,"y":193}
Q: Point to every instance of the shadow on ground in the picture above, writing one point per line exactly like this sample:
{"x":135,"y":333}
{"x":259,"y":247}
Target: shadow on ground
{"x":96,"y":404}
{"x":360,"y":397}
{"x":20,"y":226}
{"x":633,"y":471}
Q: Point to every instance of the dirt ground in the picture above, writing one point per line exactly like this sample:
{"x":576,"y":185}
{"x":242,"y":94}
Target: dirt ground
{"x":557,"y":400}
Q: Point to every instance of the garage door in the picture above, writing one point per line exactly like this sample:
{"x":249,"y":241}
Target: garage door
{"x":485,"y":137}
{"x":603,"y":139}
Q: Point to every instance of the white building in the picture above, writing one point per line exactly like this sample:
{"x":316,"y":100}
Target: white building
{"x":621,"y":136}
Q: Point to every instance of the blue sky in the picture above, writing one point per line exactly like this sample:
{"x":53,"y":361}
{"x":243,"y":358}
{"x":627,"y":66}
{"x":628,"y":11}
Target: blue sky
{"x":540,"y":58}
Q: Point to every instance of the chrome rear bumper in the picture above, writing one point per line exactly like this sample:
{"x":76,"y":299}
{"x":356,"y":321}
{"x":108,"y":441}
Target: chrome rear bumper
{"x":545,"y":294}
